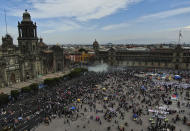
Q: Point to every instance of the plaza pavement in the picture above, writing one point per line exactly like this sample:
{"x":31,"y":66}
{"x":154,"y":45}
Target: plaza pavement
{"x":20,"y":85}
{"x":84,"y":123}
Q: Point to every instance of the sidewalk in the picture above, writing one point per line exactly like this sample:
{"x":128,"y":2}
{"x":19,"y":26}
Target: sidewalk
{"x":7,"y":90}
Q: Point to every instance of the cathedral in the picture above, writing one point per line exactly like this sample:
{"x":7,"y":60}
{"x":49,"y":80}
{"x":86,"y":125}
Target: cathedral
{"x":31,"y":59}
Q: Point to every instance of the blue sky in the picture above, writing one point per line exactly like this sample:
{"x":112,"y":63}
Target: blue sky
{"x":116,"y":21}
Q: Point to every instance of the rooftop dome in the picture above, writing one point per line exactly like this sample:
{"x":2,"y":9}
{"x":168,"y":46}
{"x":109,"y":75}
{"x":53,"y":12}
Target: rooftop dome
{"x":7,"y":41}
{"x":42,"y":44}
{"x":7,"y":36}
{"x":95,"y":42}
{"x":26,"y":16}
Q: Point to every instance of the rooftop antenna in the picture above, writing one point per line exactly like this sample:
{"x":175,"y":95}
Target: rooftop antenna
{"x":180,"y":37}
{"x":5,"y":21}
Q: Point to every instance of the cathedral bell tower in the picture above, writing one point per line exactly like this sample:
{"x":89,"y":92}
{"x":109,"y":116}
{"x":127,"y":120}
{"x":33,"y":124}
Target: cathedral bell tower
{"x":27,"y":39}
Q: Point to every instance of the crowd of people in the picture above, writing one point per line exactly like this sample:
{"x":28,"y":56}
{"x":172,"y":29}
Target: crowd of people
{"x":99,"y":101}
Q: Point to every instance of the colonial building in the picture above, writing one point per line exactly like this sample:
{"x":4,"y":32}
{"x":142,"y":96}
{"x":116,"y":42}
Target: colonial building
{"x":81,"y":56}
{"x":177,"y":58}
{"x":31,"y":58}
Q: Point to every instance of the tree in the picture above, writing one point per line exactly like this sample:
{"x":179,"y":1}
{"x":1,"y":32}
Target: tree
{"x":4,"y":99}
{"x":34,"y":87}
{"x":82,"y":50}
{"x":15,"y":93}
{"x":77,"y":71}
{"x":26,"y":89}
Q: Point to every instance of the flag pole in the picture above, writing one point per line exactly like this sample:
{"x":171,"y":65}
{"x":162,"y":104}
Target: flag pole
{"x":5,"y":21}
{"x":180,"y":36}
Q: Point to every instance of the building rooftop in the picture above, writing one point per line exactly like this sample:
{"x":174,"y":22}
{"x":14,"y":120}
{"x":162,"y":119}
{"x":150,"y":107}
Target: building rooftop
{"x":138,"y":49}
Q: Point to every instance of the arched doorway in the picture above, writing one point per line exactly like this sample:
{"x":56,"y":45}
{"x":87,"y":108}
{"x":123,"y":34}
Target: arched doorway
{"x":59,"y":67}
{"x":27,"y":76}
{"x":12,"y":78}
{"x":176,"y":67}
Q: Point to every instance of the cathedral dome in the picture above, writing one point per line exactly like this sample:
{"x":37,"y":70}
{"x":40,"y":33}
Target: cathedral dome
{"x":42,"y":44}
{"x":7,"y":41}
{"x":7,"y":36}
{"x":26,"y":16}
{"x":95,"y":43}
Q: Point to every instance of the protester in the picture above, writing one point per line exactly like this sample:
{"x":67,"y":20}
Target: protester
{"x":116,"y":98}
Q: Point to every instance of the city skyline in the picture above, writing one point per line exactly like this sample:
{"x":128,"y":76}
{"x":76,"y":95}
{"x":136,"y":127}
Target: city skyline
{"x":121,"y":21}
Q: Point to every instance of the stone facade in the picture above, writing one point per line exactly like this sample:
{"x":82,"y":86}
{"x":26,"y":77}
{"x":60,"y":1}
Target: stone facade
{"x":177,"y":58}
{"x":31,"y":59}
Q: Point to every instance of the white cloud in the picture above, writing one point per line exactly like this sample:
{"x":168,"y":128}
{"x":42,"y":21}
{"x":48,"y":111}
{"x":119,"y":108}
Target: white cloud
{"x":116,"y":26}
{"x":150,"y":17}
{"x":48,"y":31}
{"x":81,"y":10}
{"x":187,"y":27}
{"x":166,"y":14}
{"x":180,"y":3}
{"x":58,"y":26}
